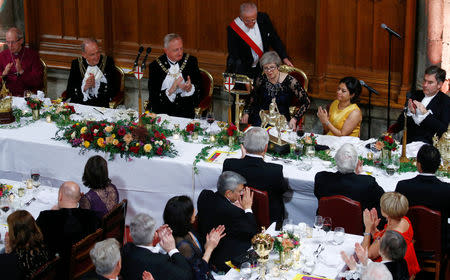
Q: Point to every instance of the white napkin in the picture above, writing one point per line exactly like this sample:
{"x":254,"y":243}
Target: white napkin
{"x":99,"y":78}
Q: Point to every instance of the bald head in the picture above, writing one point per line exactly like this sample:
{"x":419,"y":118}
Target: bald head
{"x":14,"y":39}
{"x":69,"y":192}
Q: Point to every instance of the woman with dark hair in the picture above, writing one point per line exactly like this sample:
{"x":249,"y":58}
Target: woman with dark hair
{"x":179,"y":215}
{"x":25,"y":251}
{"x":103,"y":195}
{"x":344,"y":117}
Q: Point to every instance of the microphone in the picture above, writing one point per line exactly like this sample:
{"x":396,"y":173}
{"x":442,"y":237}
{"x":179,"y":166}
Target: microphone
{"x":368,"y":87}
{"x":141,"y":49}
{"x":385,"y":27}
{"x":145,"y":58}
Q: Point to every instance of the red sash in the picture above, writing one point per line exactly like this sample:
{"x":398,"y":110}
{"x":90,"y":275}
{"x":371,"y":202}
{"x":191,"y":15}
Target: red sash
{"x":247,"y":39}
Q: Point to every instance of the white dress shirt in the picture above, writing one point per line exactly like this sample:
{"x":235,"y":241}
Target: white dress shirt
{"x":158,"y":250}
{"x":254,"y":34}
{"x":418,"y":117}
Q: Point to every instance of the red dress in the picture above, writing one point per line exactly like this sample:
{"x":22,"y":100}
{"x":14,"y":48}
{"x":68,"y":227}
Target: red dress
{"x":410,"y":256}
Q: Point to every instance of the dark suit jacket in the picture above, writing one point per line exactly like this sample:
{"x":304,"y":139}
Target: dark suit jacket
{"x":362,"y":188}
{"x":106,"y":91}
{"x":64,"y":227}
{"x":262,"y":176}
{"x":137,"y":259}
{"x":213,"y":210}
{"x":430,"y":192}
{"x":433,"y":123}
{"x":240,"y":59}
{"x":158,"y":101}
{"x":398,"y":269}
{"x":9,"y":267}
{"x":92,"y":275}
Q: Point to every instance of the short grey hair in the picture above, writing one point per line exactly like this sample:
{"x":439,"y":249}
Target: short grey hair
{"x":229,"y":180}
{"x":255,"y":140}
{"x":376,"y":271}
{"x":270,"y":57}
{"x":346,"y":158}
{"x":142,"y":229}
{"x":393,"y":245}
{"x":105,"y":255}
{"x":17,"y":31}
{"x":86,"y":42}
{"x":246,"y":7}
{"x":169,"y":38}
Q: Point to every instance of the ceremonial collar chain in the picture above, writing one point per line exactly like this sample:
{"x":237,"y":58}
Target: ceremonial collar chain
{"x":167,"y":71}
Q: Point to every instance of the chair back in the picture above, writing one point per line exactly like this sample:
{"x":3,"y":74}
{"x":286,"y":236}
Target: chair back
{"x":206,"y":91}
{"x":260,"y":207}
{"x":119,"y":79}
{"x":113,"y":223}
{"x":80,"y":260}
{"x":343,"y":211}
{"x":427,"y":230}
{"x":44,"y":76}
{"x":48,"y":271}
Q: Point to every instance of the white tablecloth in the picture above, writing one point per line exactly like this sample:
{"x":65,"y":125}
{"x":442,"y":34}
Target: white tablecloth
{"x":149,"y":183}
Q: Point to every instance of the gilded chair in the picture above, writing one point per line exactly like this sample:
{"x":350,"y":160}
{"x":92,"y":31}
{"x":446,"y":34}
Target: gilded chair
{"x":206,"y":91}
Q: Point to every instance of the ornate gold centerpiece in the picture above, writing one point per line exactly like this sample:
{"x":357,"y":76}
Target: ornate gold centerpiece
{"x":6,"y":115}
{"x":274,"y":118}
{"x":263,"y":245}
{"x":443,"y":145}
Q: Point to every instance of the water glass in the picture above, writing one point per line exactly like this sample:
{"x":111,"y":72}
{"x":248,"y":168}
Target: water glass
{"x":327,"y":225}
{"x":246,"y":270}
{"x":339,"y":235}
{"x":318,"y":222}
{"x":288,"y":226}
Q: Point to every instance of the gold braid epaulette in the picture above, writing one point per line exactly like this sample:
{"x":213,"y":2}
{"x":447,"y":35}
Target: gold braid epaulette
{"x":83,"y":69}
{"x":181,"y":68}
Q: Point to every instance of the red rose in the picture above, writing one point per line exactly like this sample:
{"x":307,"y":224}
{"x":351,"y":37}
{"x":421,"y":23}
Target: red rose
{"x":159,"y":151}
{"x":391,"y":140}
{"x":190,"y":127}
{"x":231,"y":129}
{"x":135,"y":149}
{"x":103,"y":124}
{"x":94,"y":127}
{"x":121,"y":131}
{"x":394,"y":149}
{"x":162,"y":137}
{"x":312,"y":134}
{"x":157,"y":135}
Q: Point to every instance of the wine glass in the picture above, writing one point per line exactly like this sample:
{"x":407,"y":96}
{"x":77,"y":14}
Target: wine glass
{"x":288,"y":226}
{"x":318,"y":222}
{"x":35,"y":176}
{"x":210,"y":119}
{"x":327,"y":224}
{"x":246,"y":270}
{"x":339,"y":235}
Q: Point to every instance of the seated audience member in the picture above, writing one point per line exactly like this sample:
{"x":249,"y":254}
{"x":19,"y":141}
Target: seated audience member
{"x":392,"y":252}
{"x":344,"y":116}
{"x":428,"y":112}
{"x":141,"y":256}
{"x":217,"y":208}
{"x":376,"y":271}
{"x":25,"y":251}
{"x":347,"y":181}
{"x":427,"y":190}
{"x":179,"y":215}
{"x":394,"y":207}
{"x":260,"y":174}
{"x":103,"y":195}
{"x":275,"y":84}
{"x":66,"y":224}
{"x":20,"y":66}
{"x":92,"y":78}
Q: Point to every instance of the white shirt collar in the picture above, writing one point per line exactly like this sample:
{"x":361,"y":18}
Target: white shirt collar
{"x":427,"y":174}
{"x":427,"y":99}
{"x":153,"y":249}
{"x":254,"y":155}
{"x":171,"y":62}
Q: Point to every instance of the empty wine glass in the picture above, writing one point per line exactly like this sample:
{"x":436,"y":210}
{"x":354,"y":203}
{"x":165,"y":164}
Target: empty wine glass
{"x":288,"y":226}
{"x":246,"y":270}
{"x":339,"y":235}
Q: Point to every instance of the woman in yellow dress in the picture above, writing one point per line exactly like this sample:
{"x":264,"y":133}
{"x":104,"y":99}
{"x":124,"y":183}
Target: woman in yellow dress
{"x":344,"y":118}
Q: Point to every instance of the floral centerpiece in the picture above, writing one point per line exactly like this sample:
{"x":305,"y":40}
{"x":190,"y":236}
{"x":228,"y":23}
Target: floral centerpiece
{"x":148,"y":119}
{"x":386,"y":144}
{"x":308,"y":140}
{"x":5,"y":190}
{"x":284,"y":244}
{"x":34,"y":103}
{"x":192,"y":129}
{"x":65,"y":110}
{"x":118,"y":138}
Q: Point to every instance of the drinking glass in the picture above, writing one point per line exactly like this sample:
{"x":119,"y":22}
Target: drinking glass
{"x":35,"y":176}
{"x":318,"y":222}
{"x":210,"y":119}
{"x":327,"y":224}
{"x":288,"y":226}
{"x":339,"y":235}
{"x":246,"y":270}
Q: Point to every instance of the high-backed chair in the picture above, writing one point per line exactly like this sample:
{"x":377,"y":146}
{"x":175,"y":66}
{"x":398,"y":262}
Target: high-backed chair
{"x":427,"y":237}
{"x":343,"y":211}
{"x":113,"y":223}
{"x":301,"y":77}
{"x":260,"y":207}
{"x":80,"y":261}
{"x":48,"y":271}
{"x":44,"y":76}
{"x":207,"y":86}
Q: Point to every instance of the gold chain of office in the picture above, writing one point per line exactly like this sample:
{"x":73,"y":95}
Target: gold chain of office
{"x":167,"y":71}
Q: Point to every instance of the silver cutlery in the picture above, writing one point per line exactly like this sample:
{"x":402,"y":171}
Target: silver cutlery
{"x":29,"y":202}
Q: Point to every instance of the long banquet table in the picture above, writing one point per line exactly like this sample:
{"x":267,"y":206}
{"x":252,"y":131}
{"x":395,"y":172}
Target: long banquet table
{"x":149,"y":183}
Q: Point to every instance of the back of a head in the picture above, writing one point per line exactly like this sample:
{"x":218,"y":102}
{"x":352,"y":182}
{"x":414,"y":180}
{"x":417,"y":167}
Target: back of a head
{"x":395,"y":205}
{"x":105,"y":255}
{"x":178,"y":213}
{"x":429,"y":158}
{"x":70,"y":192}
{"x":256,"y":140}
{"x":376,"y":271}
{"x":229,"y":180}
{"x":346,"y":159}
{"x":23,"y":230}
{"x":393,"y":246}
{"x":142,"y":229}
{"x":95,"y":174}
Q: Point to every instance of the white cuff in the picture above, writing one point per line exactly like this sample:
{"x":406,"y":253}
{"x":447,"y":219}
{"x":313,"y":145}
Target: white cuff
{"x":188,"y":93}
{"x":418,"y":118}
{"x":171,"y":97}
{"x":173,"y":251}
{"x":248,"y":210}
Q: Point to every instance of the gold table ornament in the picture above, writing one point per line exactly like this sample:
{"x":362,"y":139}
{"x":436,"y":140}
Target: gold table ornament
{"x":262,"y":244}
{"x":443,"y":145}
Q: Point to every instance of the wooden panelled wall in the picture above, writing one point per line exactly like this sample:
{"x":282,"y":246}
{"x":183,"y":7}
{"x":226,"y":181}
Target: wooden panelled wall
{"x":328,"y":39}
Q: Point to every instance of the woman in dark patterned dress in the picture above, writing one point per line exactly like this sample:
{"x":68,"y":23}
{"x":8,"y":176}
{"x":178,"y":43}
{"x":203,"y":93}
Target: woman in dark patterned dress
{"x":103,"y":195}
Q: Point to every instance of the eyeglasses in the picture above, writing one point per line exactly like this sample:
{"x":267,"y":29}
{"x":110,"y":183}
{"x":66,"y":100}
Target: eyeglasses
{"x":269,"y":68}
{"x":12,"y":42}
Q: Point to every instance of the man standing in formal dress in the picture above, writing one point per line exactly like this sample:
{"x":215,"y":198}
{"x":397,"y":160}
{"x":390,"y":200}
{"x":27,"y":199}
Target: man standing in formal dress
{"x":427,"y":190}
{"x":174,"y":80}
{"x":92,"y":78}
{"x":20,"y":67}
{"x":218,"y":208}
{"x":260,"y":174}
{"x":249,"y":36}
{"x":428,"y":109}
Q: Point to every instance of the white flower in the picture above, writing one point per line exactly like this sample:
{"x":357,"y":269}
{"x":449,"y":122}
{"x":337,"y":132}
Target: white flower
{"x":285,"y":236}
{"x":73,"y":135}
{"x":95,"y":130}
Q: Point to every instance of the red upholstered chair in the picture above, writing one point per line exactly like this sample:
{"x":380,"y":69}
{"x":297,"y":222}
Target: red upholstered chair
{"x":428,"y":237}
{"x":302,"y":79}
{"x":206,"y":91}
{"x":113,"y":223}
{"x":343,"y":211}
{"x":80,"y":261}
{"x":260,"y":207}
{"x":119,"y":98}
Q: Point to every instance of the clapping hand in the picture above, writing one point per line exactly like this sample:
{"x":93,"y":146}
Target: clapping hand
{"x":147,"y":276}
{"x":214,"y":236}
{"x":371,"y":220}
{"x":293,"y":124}
{"x":7,"y":68}
{"x":18,"y":66}
{"x":411,"y":106}
{"x":90,"y":82}
{"x":361,"y":253}
{"x":176,"y":84}
{"x":188,"y":85}
{"x":322,"y":114}
{"x":247,"y":199}
{"x":349,"y":261}
{"x":420,"y":107}
{"x":167,"y":241}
